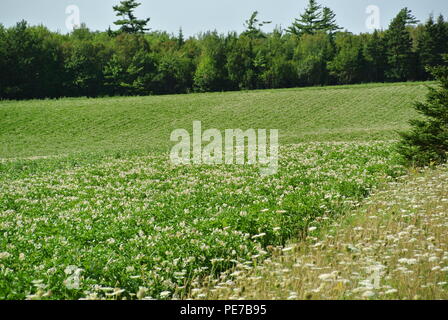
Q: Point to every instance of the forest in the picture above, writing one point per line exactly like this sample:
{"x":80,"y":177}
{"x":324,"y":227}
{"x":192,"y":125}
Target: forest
{"x":134,"y":60}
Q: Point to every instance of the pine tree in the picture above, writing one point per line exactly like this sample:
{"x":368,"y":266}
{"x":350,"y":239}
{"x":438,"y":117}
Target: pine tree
{"x":376,"y":58}
{"x":309,"y":22}
{"x":129,"y":22}
{"x":180,"y":38}
{"x":432,"y":44}
{"x":315,"y":19}
{"x":427,"y":143}
{"x":400,"y":56}
{"x":253,"y":26}
{"x":328,"y":22}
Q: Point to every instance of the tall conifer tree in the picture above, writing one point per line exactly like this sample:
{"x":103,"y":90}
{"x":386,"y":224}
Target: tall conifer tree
{"x":400,"y":56}
{"x":428,"y":141}
{"x":432,"y":44}
{"x":129,"y":22}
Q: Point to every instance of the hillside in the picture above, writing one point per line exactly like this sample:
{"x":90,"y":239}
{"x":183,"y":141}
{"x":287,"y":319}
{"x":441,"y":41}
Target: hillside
{"x":359,"y":112}
{"x":95,"y":222}
{"x":392,"y":247}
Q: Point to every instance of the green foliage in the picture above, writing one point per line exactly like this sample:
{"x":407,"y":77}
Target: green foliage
{"x":279,"y":68}
{"x":207,"y":75}
{"x":131,"y":67}
{"x":129,"y":22}
{"x":241,"y":63}
{"x":311,"y":56}
{"x":328,"y":22}
{"x":309,"y":21}
{"x":338,"y":113}
{"x":375,"y":57}
{"x":427,"y":143}
{"x":253,"y":26}
{"x":173,"y":74}
{"x":180,"y":38}
{"x":432,"y":44}
{"x":136,"y":222}
{"x":32,"y":62}
{"x":109,"y":205}
{"x":37,"y":63}
{"x":348,"y":65}
{"x":400,"y":56}
{"x":83,"y":60}
{"x":210,"y":74}
{"x":315,"y":19}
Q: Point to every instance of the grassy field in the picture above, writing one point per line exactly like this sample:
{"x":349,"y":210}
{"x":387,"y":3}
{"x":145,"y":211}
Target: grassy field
{"x":343,"y":113}
{"x":91,"y":207}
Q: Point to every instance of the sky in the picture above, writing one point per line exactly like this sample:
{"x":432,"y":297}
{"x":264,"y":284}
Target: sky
{"x":195,"y":16}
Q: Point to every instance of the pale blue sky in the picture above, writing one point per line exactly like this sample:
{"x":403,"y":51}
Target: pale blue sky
{"x":200,"y":15}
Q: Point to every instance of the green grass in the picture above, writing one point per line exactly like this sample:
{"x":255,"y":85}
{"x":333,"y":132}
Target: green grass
{"x":109,"y":207}
{"x":344,"y":113}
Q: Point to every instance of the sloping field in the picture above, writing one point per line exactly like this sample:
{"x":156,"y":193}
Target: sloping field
{"x":360,"y":112}
{"x":394,"y":247}
{"x":139,"y":222}
{"x":109,"y":216}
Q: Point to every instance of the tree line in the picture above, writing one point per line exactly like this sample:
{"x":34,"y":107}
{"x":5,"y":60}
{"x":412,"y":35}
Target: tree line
{"x":313,"y":51}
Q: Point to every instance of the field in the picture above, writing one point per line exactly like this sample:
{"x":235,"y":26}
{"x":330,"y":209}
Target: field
{"x":341,"y":113}
{"x":393,"y":247}
{"x":91,"y":207}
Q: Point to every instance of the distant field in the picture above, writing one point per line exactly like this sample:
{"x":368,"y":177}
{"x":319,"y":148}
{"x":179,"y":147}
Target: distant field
{"x":108,"y":216}
{"x":343,"y":113}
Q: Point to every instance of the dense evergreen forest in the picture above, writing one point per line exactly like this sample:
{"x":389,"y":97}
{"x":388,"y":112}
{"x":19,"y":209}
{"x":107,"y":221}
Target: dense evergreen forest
{"x":313,"y":51}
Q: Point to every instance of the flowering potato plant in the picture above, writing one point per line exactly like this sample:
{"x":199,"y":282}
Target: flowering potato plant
{"x":141,"y":227}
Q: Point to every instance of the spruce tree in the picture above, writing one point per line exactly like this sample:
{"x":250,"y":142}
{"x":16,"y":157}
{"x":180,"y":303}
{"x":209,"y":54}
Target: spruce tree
{"x":314,"y":19}
{"x":328,"y":22}
{"x":400,"y":55}
{"x":427,"y":142}
{"x":376,"y":58}
{"x":432,"y":44}
{"x":309,"y":22}
{"x":129,"y":22}
{"x":180,"y":38}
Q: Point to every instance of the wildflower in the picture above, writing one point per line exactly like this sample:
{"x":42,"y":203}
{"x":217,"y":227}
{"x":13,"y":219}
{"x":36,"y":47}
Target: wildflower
{"x":116,"y":292}
{"x":407,"y":261}
{"x":130,"y":269}
{"x":368,"y":294}
{"x":391,"y":291}
{"x":327,"y":276}
{"x":4,"y":255}
{"x":141,"y":292}
{"x":74,"y":279}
